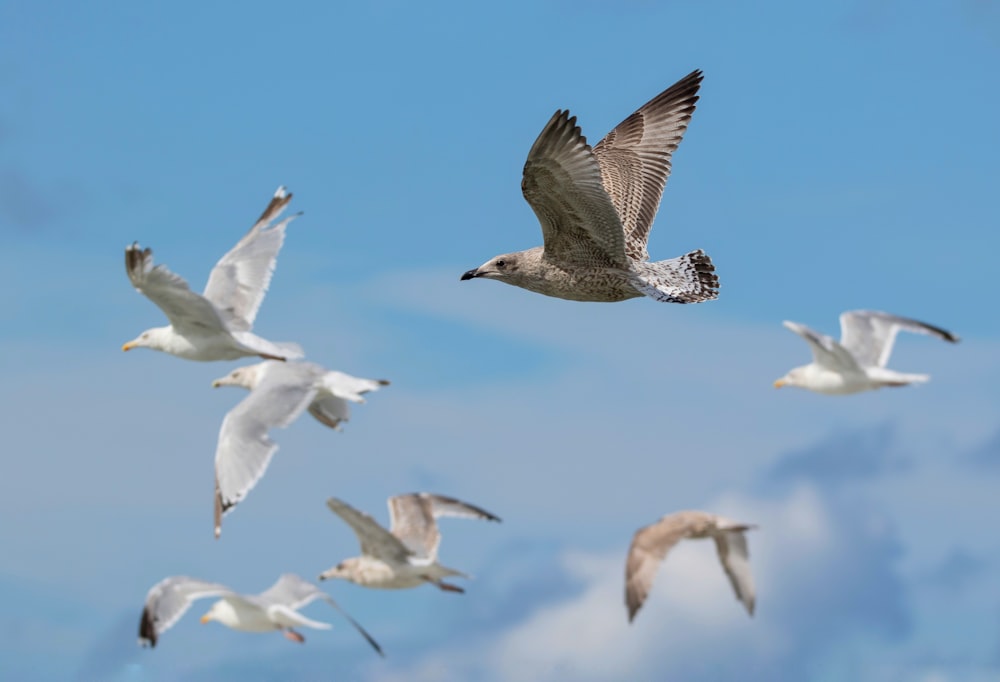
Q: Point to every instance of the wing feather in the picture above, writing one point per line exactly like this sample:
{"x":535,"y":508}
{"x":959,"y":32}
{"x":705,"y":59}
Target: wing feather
{"x":238,"y":282}
{"x":562,"y":183}
{"x":634,"y":158}
{"x":649,"y":547}
{"x":375,"y":540}
{"x":826,"y":351}
{"x":170,"y":599}
{"x":869,"y":335}
{"x":189,"y":313}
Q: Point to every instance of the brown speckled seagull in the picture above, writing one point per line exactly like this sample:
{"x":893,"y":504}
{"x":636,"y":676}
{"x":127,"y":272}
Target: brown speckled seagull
{"x":651,"y":544}
{"x":597,"y":205}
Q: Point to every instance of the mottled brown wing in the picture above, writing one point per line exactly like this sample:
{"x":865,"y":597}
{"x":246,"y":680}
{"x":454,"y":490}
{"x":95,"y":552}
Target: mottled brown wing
{"x":562,"y":183}
{"x":375,"y":540}
{"x":634,"y":159}
{"x":649,"y":547}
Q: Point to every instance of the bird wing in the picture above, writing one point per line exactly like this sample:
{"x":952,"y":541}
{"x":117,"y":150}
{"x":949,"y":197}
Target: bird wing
{"x":375,"y":540}
{"x":735,"y":558}
{"x":650,"y":545}
{"x":869,"y":334}
{"x":635,"y":159}
{"x":240,"y":279}
{"x":413,"y":519}
{"x":291,"y":593}
{"x":826,"y":351}
{"x":562,"y":183}
{"x":330,"y":410}
{"x":188,"y":312}
{"x":244,"y":449}
{"x":170,"y":599}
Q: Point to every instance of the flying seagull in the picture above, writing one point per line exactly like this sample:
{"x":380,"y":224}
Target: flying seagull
{"x":651,"y":544}
{"x":858,"y":362}
{"x":215,"y":325}
{"x":596,"y":207}
{"x":274,"y":609}
{"x":279,"y":393}
{"x":406,"y":554}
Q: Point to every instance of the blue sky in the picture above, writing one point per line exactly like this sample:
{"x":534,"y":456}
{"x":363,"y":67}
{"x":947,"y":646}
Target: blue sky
{"x":842,"y":156}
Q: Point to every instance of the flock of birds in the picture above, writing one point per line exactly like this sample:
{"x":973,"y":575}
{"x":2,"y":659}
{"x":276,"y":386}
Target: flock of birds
{"x":596,"y":206}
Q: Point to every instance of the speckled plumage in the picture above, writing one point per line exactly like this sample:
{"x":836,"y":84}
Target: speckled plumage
{"x":597,"y":205}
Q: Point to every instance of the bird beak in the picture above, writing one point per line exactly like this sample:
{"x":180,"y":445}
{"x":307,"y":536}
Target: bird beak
{"x":206,"y":618}
{"x":217,"y":383}
{"x":129,"y":346}
{"x":471,"y":274}
{"x":779,"y":383}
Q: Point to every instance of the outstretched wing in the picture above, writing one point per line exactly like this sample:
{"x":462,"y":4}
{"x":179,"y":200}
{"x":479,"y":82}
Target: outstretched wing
{"x":244,"y":449}
{"x":291,"y":593}
{"x":869,"y":334}
{"x":826,"y":351}
{"x":188,"y":312}
{"x":635,"y":158}
{"x":413,"y":519}
{"x":170,"y":599}
{"x":650,"y":545}
{"x":735,"y":557}
{"x":240,"y":279}
{"x":562,"y":182}
{"x":375,"y":540}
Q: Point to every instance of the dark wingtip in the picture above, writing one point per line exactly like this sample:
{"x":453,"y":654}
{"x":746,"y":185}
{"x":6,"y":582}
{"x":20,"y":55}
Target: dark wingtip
{"x":147,"y":631}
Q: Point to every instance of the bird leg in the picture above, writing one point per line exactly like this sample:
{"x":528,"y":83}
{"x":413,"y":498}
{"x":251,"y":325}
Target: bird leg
{"x":294,"y":636}
{"x":268,"y":356}
{"x":447,"y":587}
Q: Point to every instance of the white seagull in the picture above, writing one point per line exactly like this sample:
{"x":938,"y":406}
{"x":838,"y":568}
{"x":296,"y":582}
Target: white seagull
{"x":651,"y":544}
{"x":274,"y":609}
{"x":279,"y":393}
{"x":215,"y":325}
{"x":858,"y":362}
{"x":406,"y":554}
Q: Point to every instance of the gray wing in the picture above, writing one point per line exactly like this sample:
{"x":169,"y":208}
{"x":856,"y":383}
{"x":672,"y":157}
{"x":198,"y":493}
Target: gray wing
{"x":869,"y":335}
{"x":168,"y":600}
{"x":330,"y":407}
{"x":240,"y":279}
{"x":635,"y":158}
{"x":244,"y":449}
{"x":826,"y":351}
{"x":375,"y":540}
{"x":292,"y":592}
{"x":187,"y":311}
{"x":735,"y":558}
{"x":650,"y":545}
{"x":413,"y":519}
{"x":562,"y":182}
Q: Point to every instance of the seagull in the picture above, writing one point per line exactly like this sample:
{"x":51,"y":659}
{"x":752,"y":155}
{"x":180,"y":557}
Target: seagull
{"x":651,"y":544}
{"x":858,"y":362}
{"x":274,"y":609}
{"x":279,"y":393}
{"x":596,"y":207}
{"x":215,"y":325}
{"x":406,"y":554}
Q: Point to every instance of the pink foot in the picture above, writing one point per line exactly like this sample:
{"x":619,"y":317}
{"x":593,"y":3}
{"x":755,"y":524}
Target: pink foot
{"x":447,"y":587}
{"x":294,"y":636}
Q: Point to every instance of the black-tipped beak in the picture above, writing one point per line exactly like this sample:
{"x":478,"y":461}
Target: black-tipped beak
{"x":471,"y":274}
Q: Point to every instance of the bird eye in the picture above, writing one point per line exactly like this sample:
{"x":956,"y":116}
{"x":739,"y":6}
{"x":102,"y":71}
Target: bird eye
{"x":501,"y":263}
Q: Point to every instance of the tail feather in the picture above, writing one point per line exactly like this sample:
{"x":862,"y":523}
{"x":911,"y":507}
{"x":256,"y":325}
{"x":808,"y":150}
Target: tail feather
{"x":687,"y":279}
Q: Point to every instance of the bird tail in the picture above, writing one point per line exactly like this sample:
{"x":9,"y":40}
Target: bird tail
{"x":686,"y":279}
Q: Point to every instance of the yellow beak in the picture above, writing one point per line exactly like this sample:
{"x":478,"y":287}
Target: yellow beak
{"x":779,"y":383}
{"x":128,"y":346}
{"x":216,"y":384}
{"x":206,"y":618}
